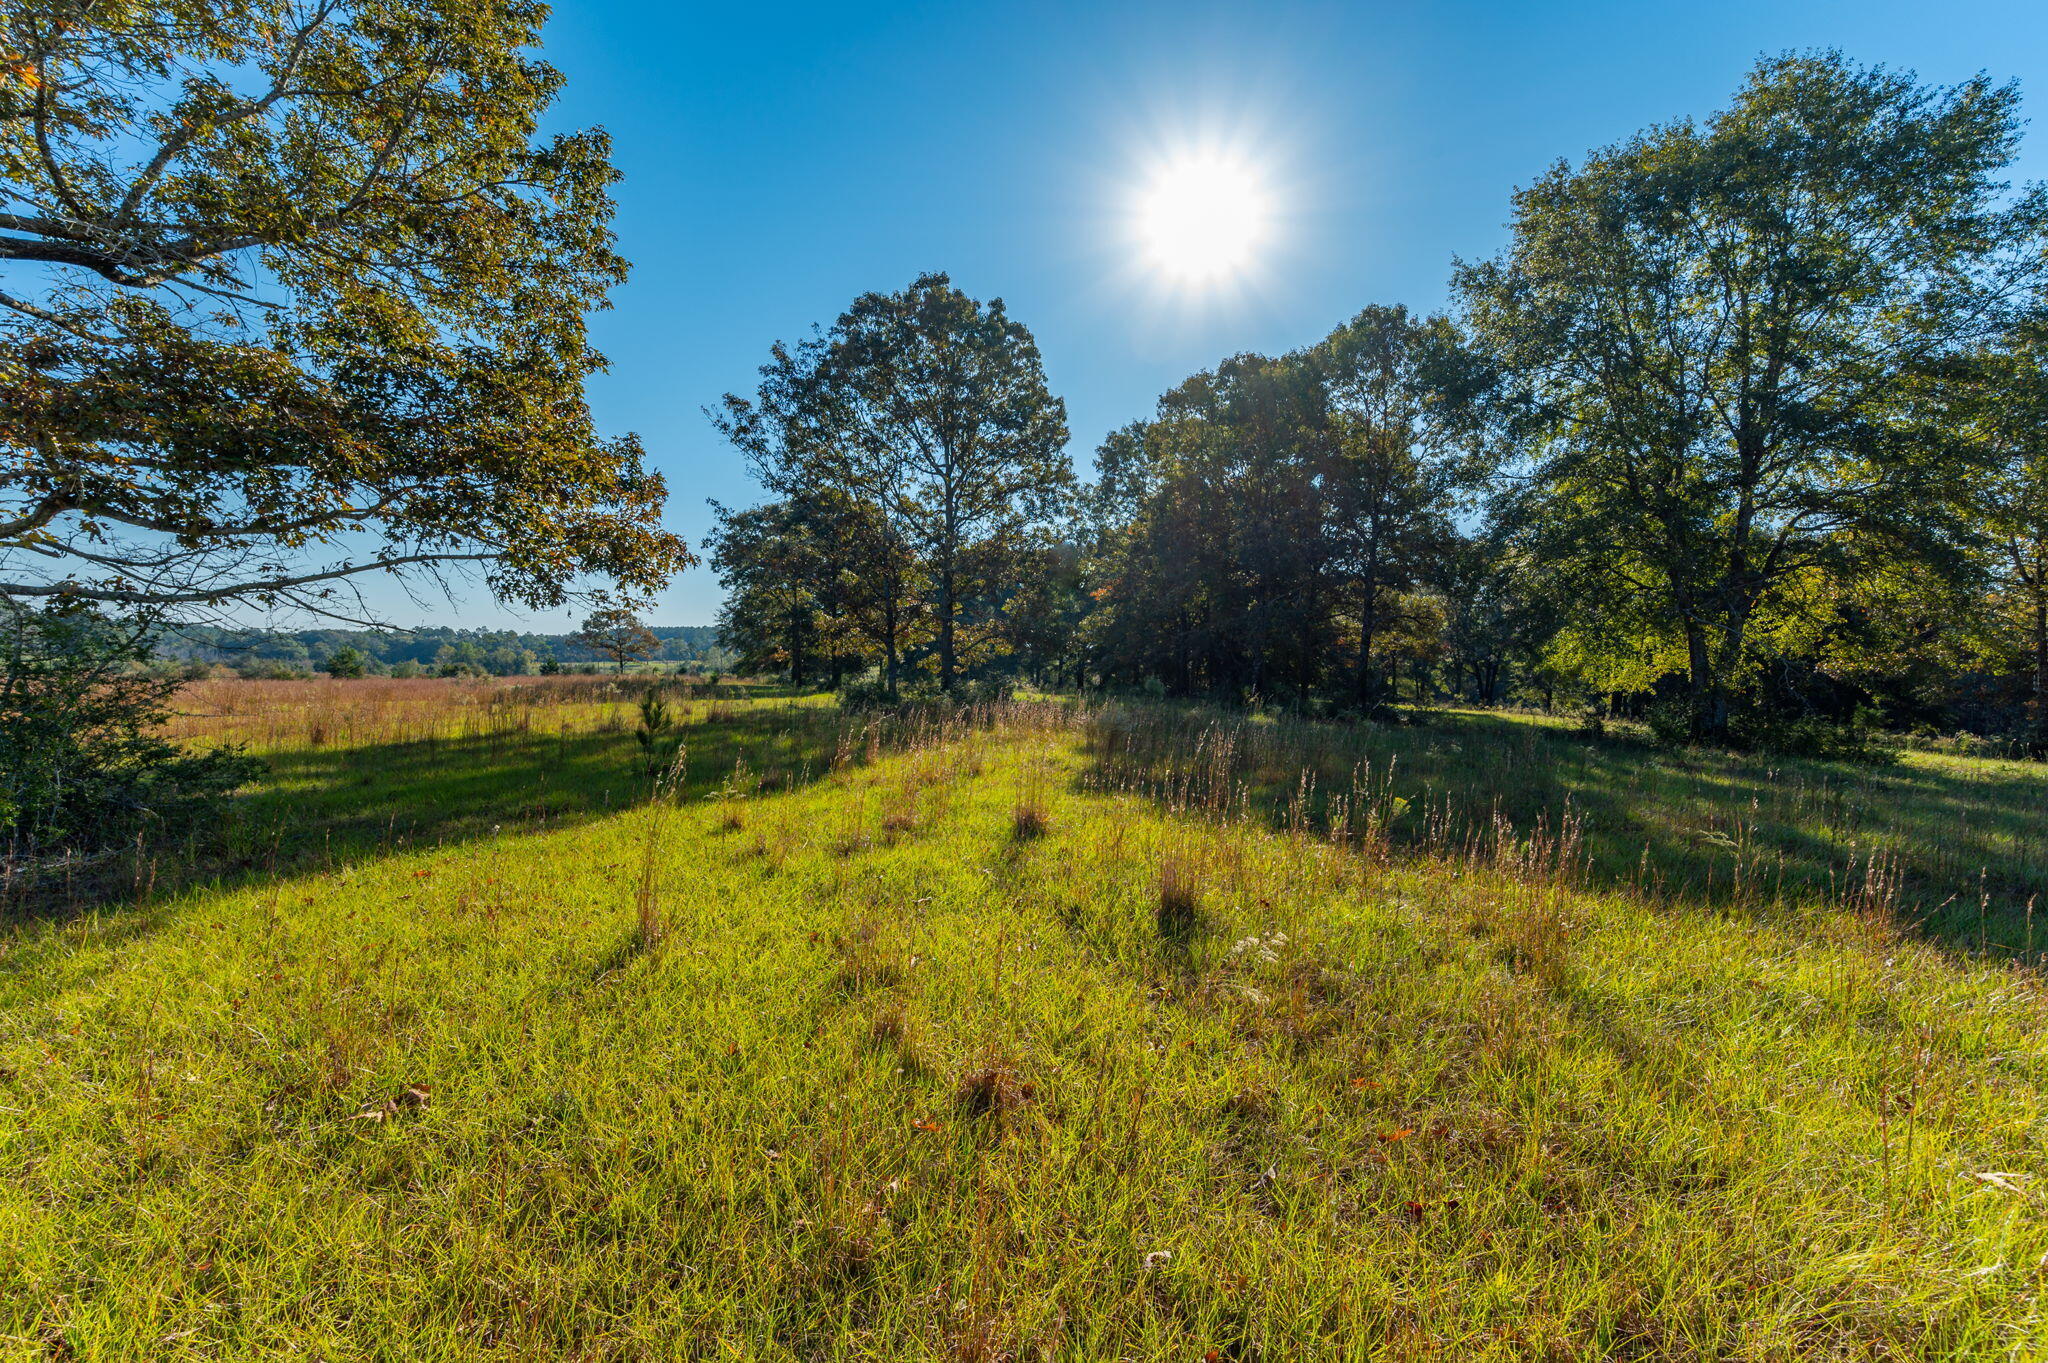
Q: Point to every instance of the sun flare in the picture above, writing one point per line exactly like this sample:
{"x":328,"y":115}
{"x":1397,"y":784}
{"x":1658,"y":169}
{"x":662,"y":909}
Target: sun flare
{"x":1202,"y":217}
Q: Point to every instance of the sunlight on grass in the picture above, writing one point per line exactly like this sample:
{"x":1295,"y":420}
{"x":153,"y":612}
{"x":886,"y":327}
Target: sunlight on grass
{"x":1041,"y":1032}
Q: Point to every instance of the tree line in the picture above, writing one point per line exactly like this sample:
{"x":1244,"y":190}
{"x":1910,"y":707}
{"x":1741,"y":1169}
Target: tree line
{"x":429,"y":651}
{"x":1744,"y":431}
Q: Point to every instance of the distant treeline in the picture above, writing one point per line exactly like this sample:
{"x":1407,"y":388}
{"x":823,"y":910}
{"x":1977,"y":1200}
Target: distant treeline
{"x":421,"y":652}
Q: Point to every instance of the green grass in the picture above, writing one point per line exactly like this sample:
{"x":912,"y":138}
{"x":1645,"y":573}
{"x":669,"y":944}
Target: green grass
{"x":1058,"y":1036}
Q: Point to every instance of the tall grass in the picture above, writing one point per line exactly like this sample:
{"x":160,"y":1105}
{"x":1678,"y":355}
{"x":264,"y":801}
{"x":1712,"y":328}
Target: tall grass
{"x":1252,"y":1051}
{"x":1957,"y":845}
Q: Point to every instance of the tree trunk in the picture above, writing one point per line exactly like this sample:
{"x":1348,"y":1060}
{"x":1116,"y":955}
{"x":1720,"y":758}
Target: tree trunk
{"x":1707,"y":717}
{"x":2040,"y":739}
{"x":946,"y":629}
{"x":949,"y":562}
{"x":1368,"y":623}
{"x":889,"y":651}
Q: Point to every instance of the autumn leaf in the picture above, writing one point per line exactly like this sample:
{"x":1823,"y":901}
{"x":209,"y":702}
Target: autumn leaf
{"x":1389,"y":1137}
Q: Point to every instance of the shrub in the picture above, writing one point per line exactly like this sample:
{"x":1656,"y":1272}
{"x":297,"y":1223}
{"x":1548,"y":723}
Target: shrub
{"x":80,"y":769}
{"x":867,"y":693}
{"x":870,"y":692}
{"x":1852,"y":739}
{"x":658,"y":749}
{"x":1754,"y":726}
{"x":985,"y":691}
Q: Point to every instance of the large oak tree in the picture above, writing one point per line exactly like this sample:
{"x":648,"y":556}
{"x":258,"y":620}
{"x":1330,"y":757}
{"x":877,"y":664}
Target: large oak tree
{"x":293,"y":291}
{"x":1723,"y":333}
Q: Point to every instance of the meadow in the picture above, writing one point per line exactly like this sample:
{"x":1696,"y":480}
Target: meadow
{"x":1049,"y":1030}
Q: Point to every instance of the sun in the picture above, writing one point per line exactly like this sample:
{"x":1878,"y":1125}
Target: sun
{"x":1202,"y":218}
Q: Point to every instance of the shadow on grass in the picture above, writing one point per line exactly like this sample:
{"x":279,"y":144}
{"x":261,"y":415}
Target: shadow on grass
{"x":1961,"y":847}
{"x":328,"y":807}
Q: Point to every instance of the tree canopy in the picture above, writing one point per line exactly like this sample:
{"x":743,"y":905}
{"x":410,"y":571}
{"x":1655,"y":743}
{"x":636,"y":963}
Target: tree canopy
{"x":1722,"y":336}
{"x":291,"y":292}
{"x":928,"y":411}
{"x":618,"y":634}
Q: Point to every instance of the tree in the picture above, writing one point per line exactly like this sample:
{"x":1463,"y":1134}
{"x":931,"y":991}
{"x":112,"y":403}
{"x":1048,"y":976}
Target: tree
{"x":346,"y":661}
{"x":2011,"y":411}
{"x":1222,"y":578}
{"x":1402,"y":391}
{"x":280,"y":275}
{"x":931,"y":409}
{"x":773,"y":576}
{"x":617,"y":634}
{"x":1279,"y":513}
{"x":81,"y":768}
{"x":1720,"y":335}
{"x":816,"y":577}
{"x":1498,"y":618}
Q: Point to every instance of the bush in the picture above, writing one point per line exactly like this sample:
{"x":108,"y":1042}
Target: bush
{"x":1781,"y":732}
{"x":1853,"y":739}
{"x":870,"y":692}
{"x":865,"y":693}
{"x":985,"y":691}
{"x":80,"y":771}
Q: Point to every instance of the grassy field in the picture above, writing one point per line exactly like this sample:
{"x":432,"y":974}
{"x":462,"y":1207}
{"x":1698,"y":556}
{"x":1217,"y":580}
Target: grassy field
{"x":1123,"y":1032}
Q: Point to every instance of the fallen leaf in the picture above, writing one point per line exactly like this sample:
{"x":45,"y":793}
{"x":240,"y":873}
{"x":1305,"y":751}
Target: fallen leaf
{"x":1389,"y":1137}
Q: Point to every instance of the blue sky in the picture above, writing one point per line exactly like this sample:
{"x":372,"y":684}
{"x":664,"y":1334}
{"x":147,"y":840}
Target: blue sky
{"x":780,"y":159}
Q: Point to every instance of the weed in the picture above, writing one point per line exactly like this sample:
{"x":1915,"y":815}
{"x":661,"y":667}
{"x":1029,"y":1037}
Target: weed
{"x":1178,"y":912}
{"x":994,"y":1087}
